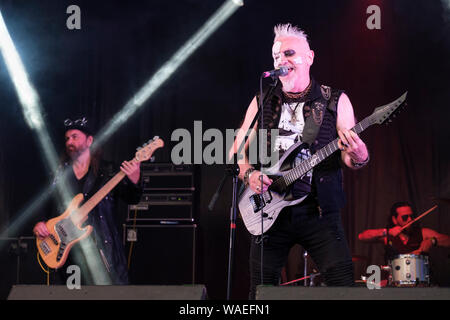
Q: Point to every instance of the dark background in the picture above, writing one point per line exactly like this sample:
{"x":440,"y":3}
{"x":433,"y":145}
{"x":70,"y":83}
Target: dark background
{"x":94,"y":71}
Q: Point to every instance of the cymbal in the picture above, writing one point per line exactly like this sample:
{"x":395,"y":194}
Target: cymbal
{"x":357,"y":258}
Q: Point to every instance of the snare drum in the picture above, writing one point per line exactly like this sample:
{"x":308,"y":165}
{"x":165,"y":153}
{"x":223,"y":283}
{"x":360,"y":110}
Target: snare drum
{"x":409,"y":270}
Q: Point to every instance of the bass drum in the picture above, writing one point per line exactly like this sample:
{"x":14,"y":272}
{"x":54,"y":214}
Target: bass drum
{"x":409,"y":270}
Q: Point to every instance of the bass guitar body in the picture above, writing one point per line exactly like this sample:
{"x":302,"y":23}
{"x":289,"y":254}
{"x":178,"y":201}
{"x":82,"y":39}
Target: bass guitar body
{"x":64,"y":234}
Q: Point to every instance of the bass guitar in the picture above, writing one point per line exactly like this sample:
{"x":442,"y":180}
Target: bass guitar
{"x":66,"y":230}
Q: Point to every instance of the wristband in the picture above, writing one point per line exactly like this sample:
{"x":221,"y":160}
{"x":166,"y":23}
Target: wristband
{"x":360,"y":164}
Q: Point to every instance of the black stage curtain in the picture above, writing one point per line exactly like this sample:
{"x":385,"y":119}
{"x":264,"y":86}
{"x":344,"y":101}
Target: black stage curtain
{"x":96,"y":70}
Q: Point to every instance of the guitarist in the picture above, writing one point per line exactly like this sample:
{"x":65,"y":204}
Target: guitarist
{"x":102,"y":258}
{"x":303,"y":109}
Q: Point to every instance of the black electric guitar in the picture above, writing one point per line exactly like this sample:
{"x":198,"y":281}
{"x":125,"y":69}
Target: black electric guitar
{"x":66,"y":229}
{"x":286,"y":171}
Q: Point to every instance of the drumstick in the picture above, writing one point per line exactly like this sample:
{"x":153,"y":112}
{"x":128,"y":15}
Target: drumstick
{"x":419,"y":217}
{"x":307,"y":277}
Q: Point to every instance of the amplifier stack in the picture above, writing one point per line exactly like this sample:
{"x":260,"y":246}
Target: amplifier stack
{"x":160,"y":231}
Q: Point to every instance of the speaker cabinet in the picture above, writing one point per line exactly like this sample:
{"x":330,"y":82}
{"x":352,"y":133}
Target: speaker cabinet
{"x":163,"y":206}
{"x":43,"y":292}
{"x":345,"y":293}
{"x":161,"y":254}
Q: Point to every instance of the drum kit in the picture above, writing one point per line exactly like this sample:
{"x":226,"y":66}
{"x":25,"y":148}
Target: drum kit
{"x":409,"y":270}
{"x":405,"y":270}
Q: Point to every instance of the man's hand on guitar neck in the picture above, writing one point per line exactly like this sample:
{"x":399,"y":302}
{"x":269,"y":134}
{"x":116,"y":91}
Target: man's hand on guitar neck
{"x":40,"y":230}
{"x":354,"y":150}
{"x":132,"y":169}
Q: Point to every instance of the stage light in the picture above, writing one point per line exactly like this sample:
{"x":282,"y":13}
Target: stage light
{"x":136,"y":102}
{"x":27,"y":94}
{"x":31,"y":107}
{"x":29,"y":100}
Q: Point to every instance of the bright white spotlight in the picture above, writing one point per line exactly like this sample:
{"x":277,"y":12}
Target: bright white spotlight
{"x":29,"y":99}
{"x":211,"y":25}
{"x":31,"y":107}
{"x":27,"y":95}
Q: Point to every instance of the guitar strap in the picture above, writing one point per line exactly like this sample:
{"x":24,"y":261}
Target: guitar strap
{"x":314,"y":113}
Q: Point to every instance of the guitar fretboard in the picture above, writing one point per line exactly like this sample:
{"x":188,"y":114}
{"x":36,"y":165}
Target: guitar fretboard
{"x":303,"y":167}
{"x":80,"y":214}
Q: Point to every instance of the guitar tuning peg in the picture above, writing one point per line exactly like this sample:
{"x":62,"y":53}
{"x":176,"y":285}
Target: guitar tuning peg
{"x":138,"y":148}
{"x":155,"y":138}
{"x":145,"y":144}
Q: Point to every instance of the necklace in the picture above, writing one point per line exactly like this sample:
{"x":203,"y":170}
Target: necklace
{"x":293,"y":114}
{"x":298,"y":95}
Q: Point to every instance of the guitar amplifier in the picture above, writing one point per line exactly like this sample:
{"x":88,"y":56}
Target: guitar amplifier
{"x":163,"y":206}
{"x":167,"y":176}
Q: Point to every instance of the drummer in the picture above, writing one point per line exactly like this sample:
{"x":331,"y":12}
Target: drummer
{"x":412,"y":240}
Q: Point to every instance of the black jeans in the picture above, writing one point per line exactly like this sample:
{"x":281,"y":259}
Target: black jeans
{"x":320,"y":234}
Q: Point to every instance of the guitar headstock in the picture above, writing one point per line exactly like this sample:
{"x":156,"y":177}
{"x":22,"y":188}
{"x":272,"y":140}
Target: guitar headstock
{"x":145,"y":152}
{"x":383,"y":113}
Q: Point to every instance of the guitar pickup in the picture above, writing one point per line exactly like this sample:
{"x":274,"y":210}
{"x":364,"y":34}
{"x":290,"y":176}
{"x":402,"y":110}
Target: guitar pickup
{"x":52,"y":237}
{"x":259,"y":201}
{"x":45,"y":247}
{"x":62,"y":247}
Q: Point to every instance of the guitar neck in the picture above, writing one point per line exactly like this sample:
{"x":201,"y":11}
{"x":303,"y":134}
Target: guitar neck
{"x":87,"y":207}
{"x":300,"y":170}
{"x":143,"y":153}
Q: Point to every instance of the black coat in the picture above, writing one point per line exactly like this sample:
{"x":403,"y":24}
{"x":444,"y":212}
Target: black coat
{"x":106,"y":240}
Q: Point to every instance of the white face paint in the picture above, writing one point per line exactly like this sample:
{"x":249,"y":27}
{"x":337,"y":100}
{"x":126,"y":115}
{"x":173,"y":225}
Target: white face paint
{"x":276,"y":54}
{"x":298,"y":60}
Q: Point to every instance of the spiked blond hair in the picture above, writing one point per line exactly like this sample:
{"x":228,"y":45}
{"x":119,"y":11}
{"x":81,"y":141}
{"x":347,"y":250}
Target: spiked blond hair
{"x":288,"y":30}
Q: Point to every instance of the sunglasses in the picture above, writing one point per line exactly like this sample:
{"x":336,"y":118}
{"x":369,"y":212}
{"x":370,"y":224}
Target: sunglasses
{"x":79,"y":122}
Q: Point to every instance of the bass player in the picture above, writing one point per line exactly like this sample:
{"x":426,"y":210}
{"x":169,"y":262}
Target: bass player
{"x":101,"y":255}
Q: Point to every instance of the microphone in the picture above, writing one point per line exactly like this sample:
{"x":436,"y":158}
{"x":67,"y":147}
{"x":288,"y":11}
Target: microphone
{"x":282,"y":71}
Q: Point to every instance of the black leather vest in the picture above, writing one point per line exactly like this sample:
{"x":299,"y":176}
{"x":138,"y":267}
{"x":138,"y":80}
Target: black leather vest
{"x":327,"y":184}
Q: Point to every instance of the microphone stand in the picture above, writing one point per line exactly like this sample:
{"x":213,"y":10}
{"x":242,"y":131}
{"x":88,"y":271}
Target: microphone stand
{"x":232,"y":170}
{"x":305,"y":268}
